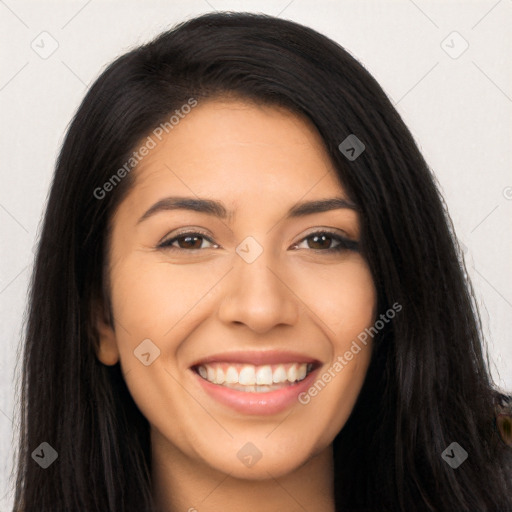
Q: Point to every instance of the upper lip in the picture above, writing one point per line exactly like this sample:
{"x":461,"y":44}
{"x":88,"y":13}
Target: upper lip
{"x":257,"y":358}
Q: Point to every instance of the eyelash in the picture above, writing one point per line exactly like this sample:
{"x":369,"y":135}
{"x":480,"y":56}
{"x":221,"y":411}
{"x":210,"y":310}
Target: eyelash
{"x":344,"y":244}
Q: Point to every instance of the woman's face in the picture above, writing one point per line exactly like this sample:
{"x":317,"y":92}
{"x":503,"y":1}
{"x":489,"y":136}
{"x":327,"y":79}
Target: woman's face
{"x":231,"y":278}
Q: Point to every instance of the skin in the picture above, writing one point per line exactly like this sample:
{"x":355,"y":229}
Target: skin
{"x":259,"y":161}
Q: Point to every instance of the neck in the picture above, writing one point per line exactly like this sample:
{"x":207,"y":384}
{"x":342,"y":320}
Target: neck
{"x":183,"y":484}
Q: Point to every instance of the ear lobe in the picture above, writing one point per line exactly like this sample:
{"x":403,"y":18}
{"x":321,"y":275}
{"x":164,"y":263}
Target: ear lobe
{"x":106,"y":346}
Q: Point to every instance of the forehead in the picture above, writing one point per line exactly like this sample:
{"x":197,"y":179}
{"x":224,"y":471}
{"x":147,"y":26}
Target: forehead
{"x":239,"y":149}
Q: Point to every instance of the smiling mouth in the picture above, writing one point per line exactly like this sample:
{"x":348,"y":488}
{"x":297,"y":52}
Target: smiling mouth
{"x":254,"y":378}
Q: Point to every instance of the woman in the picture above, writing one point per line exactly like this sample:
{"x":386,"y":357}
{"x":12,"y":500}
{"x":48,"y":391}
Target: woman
{"x":248,"y":293}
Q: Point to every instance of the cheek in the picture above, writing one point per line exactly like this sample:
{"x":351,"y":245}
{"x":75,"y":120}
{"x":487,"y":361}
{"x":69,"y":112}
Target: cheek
{"x":342,"y":296}
{"x":336,"y":399}
{"x":151,"y":295}
{"x":336,"y":388}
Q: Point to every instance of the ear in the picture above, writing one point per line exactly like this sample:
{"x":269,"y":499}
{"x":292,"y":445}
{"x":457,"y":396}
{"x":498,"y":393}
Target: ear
{"x":106,"y":346}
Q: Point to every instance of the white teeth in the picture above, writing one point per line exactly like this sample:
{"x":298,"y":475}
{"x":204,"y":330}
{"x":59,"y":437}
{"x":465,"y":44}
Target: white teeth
{"x":292,"y":373}
{"x":231,"y":375}
{"x":210,"y":372}
{"x":254,"y":378}
{"x":279,"y":374}
{"x":302,"y":371}
{"x":221,"y":378}
{"x":264,"y":375}
{"x":247,"y":376}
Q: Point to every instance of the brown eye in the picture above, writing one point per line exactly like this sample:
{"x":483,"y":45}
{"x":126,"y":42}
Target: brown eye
{"x":320,"y":241}
{"x":327,"y":242}
{"x":187,"y":241}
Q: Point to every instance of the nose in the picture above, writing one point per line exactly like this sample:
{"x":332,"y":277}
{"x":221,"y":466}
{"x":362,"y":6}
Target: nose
{"x":258,"y":297}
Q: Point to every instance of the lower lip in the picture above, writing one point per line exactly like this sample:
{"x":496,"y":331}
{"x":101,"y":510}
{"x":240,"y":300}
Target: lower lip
{"x":269,"y":403}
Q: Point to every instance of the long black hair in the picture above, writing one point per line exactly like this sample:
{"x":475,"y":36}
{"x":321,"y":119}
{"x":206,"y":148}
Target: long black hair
{"x":428,"y":383}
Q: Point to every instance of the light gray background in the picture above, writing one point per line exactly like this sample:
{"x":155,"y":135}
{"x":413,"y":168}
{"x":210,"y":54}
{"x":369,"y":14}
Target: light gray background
{"x":458,"y":109}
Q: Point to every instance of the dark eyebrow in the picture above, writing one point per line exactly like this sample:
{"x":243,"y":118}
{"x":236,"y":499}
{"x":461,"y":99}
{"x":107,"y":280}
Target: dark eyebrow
{"x":216,"y":208}
{"x":208,"y":206}
{"x":321,"y":205}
